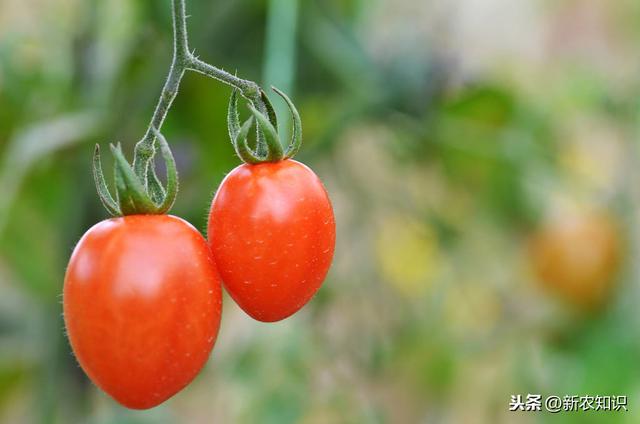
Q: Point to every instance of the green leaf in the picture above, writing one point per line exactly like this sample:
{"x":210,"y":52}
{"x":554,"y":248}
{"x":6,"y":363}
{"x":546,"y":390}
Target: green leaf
{"x":271,"y":113}
{"x":101,"y":185}
{"x":133,"y":198}
{"x":274,"y":147}
{"x":154,"y":187}
{"x":296,"y":137}
{"x":172,"y":174}
{"x":243,"y":150}
{"x":233,"y":119}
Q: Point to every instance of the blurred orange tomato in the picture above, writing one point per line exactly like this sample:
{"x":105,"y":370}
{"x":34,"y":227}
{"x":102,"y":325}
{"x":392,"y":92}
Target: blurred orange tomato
{"x":577,"y":256}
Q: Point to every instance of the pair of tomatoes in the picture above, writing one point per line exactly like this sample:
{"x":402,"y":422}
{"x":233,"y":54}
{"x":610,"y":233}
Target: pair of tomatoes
{"x":142,"y":293}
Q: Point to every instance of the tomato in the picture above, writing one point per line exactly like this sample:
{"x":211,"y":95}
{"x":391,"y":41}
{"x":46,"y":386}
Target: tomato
{"x":142,"y":303}
{"x":577,"y":257}
{"x":272,"y":234}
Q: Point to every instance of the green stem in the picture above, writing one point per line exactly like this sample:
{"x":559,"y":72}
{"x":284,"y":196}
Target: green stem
{"x":184,"y":60}
{"x":249,"y":89}
{"x":145,"y":148}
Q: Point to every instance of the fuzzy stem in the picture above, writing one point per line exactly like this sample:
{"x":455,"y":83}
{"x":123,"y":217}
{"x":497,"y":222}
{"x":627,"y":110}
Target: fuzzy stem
{"x":184,"y":60}
{"x":249,"y":89}
{"x":145,"y":148}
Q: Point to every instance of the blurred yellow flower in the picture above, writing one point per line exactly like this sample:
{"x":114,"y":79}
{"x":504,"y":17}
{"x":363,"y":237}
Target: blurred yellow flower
{"x":408,"y":254}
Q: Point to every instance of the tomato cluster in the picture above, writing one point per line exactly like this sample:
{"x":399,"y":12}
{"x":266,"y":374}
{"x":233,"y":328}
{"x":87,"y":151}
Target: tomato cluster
{"x":142,"y":293}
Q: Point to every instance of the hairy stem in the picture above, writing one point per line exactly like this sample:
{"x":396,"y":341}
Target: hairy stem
{"x":249,"y":89}
{"x":184,"y":60}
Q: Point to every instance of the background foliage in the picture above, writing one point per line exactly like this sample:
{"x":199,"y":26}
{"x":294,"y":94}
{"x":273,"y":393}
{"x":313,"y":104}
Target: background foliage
{"x":445,"y":131}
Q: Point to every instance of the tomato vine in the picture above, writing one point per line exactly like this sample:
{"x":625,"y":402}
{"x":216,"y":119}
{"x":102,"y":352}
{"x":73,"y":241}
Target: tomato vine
{"x":138,"y":188}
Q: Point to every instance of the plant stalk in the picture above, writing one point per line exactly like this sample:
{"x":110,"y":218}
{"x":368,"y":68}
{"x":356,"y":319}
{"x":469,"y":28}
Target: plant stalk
{"x":184,"y":60}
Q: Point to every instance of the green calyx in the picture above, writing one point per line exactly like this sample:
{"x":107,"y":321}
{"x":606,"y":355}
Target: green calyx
{"x":268,"y":146}
{"x":137,"y":194}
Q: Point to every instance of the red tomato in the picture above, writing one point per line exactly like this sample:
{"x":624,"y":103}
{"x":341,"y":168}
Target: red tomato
{"x":142,"y":303}
{"x":272,"y":234}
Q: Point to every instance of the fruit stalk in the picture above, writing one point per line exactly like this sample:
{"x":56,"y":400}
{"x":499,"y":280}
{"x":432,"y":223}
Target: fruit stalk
{"x":183,"y":60}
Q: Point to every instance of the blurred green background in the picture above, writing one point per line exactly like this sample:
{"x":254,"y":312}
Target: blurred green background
{"x":452,"y":137}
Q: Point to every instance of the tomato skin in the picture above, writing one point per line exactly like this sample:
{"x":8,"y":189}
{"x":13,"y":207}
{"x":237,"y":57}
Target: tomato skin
{"x":272,"y":234}
{"x":577,"y":258}
{"x":142,"y":304}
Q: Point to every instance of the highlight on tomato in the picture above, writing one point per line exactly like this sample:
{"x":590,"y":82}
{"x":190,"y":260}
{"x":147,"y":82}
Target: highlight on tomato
{"x":577,"y":256}
{"x":271,"y":226}
{"x":142,"y":297}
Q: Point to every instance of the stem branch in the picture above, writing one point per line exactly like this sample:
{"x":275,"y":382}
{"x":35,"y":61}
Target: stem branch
{"x":249,"y":89}
{"x":183,"y":60}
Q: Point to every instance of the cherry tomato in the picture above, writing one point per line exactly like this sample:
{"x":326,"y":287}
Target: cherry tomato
{"x":272,"y":234}
{"x":142,"y":303}
{"x":577,"y":257}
